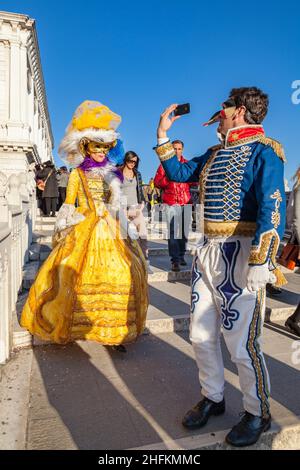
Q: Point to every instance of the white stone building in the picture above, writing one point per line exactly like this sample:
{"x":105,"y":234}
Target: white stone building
{"x":25,"y":130}
{"x":25,"y":139}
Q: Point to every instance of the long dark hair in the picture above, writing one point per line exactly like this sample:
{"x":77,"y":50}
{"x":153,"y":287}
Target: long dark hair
{"x":129,"y":156}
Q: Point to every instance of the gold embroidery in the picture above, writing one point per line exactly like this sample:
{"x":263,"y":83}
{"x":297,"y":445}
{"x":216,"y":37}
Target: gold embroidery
{"x":267,"y":248}
{"x":275,"y":218}
{"x":245,"y":140}
{"x":165,"y":151}
{"x":254,"y":351}
{"x":204,"y":173}
{"x":227,"y":229}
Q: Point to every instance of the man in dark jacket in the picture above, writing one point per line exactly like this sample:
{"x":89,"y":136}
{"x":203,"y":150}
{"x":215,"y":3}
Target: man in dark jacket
{"x":50,"y":193}
{"x":175,"y":196}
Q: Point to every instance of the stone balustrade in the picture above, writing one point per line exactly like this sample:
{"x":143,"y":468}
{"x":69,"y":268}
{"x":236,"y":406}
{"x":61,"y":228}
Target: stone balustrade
{"x":17,"y":219}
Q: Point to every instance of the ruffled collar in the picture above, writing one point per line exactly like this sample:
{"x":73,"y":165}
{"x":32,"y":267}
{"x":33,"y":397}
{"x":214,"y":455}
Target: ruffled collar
{"x":100,"y":168}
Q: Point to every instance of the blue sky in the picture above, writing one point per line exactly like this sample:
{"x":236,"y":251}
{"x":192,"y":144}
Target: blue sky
{"x":138,"y":57}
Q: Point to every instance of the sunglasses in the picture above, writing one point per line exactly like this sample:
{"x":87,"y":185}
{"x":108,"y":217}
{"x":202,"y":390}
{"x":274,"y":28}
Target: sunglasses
{"x":132,"y":161}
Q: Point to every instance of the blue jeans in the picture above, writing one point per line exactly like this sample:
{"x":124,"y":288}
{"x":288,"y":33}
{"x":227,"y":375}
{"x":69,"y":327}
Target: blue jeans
{"x":176,"y":234}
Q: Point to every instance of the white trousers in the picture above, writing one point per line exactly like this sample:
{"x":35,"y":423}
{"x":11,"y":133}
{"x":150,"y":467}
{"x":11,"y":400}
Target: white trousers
{"x":221,"y":301}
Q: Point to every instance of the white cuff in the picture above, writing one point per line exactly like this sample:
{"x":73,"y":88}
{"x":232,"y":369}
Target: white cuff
{"x":162,"y":140}
{"x":67,"y":216}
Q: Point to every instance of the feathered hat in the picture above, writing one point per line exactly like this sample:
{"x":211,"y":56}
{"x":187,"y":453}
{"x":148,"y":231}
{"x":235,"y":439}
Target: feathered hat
{"x":92,"y":122}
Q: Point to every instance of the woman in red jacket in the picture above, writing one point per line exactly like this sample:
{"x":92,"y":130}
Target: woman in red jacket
{"x":175,"y":196}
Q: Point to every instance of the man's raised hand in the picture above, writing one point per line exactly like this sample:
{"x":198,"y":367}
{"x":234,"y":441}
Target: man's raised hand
{"x":166,"y":121}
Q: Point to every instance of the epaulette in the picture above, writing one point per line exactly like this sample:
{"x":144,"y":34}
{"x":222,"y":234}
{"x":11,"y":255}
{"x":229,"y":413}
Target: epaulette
{"x":276,"y":146}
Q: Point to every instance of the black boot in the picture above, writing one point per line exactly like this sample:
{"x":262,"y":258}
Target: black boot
{"x":199,"y":415}
{"x":293,"y":322}
{"x":120,"y":348}
{"x":293,"y":325}
{"x":272,"y":290}
{"x":248,"y":430}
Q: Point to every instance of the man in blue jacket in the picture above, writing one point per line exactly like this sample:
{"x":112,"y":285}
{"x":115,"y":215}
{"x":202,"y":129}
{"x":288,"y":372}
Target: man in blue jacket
{"x":243,"y":201}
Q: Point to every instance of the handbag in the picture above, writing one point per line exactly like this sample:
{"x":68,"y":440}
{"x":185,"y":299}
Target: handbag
{"x":42,"y":184}
{"x":289,"y":254}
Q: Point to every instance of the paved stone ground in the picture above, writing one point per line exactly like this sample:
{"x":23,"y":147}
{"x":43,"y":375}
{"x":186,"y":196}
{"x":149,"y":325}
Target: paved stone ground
{"x":86,"y":396}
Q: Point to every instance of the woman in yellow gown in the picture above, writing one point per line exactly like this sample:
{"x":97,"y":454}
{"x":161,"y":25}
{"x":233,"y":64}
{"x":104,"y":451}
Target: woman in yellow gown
{"x":93,"y":285}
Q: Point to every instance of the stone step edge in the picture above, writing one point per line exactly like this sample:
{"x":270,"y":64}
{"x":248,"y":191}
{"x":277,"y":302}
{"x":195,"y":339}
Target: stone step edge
{"x":284,"y":434}
{"x":22,"y":338}
{"x":32,"y":267}
{"x":182,"y":322}
{"x":162,"y":276}
{"x":165,"y":251}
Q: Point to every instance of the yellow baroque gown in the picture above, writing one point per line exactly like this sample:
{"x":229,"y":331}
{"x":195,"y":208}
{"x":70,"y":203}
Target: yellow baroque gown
{"x":93,"y":285}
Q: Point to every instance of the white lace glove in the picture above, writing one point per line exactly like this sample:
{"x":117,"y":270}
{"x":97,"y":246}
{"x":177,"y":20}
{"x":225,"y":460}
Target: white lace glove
{"x":66,"y":217}
{"x":132,"y":231}
{"x":259,"y":276}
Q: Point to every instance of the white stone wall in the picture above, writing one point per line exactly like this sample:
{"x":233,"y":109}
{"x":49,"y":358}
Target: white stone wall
{"x":25,"y":130}
{"x":17,"y":218}
{"x":25,"y":139}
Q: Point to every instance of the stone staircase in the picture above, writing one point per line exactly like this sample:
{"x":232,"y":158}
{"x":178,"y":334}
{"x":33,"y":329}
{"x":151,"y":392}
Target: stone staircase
{"x":41,"y":379}
{"x":169,"y":291}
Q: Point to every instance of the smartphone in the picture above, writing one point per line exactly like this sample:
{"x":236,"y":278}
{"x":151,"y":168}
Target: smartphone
{"x":182,"y":109}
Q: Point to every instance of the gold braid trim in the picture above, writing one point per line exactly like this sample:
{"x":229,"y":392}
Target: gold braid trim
{"x":203,"y":174}
{"x":165,"y":151}
{"x":267,"y":250}
{"x":246,"y":140}
{"x":280,"y":278}
{"x":228,"y":229}
{"x":275,"y":218}
{"x":276,"y":146}
{"x":86,"y":190}
{"x":253,"y":348}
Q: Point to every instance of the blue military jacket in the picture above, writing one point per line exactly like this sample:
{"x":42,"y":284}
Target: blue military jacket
{"x":241,"y":188}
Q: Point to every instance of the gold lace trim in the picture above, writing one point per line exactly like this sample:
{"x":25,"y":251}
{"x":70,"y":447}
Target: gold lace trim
{"x":275,"y":218}
{"x":245,"y":140}
{"x":165,"y":151}
{"x":227,"y":229}
{"x":254,"y":353}
{"x":267,"y":248}
{"x":204,"y":172}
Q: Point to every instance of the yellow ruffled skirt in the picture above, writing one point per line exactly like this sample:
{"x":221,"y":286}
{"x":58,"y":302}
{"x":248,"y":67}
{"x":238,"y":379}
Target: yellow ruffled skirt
{"x":93,"y":286}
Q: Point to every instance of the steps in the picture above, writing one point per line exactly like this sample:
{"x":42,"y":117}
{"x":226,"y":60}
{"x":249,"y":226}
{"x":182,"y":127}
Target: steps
{"x":169,"y":291}
{"x":151,"y":386}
